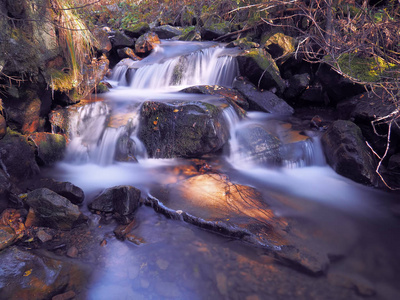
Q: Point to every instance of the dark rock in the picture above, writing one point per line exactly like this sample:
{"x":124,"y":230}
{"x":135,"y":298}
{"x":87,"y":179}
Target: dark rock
{"x":3,"y":127}
{"x":52,"y":210}
{"x":297,"y":84}
{"x":212,"y":31}
{"x":65,"y":189}
{"x":7,"y":237}
{"x":103,"y":42}
{"x":50,"y":147}
{"x":120,"y":40}
{"x":137,"y":30}
{"x":337,"y":86}
{"x":167,"y":31}
{"x":187,"y":129}
{"x":347,"y":153}
{"x":17,"y":157}
{"x":228,"y":93}
{"x":23,"y":110}
{"x":261,"y":69}
{"x":264,"y":101}
{"x":146,"y":43}
{"x":314,"y":94}
{"x":123,"y":200}
{"x":127,"y":53}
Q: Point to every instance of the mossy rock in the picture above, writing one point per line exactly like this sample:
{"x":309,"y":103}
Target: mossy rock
{"x":136,"y":30}
{"x":50,"y":147}
{"x":280,"y":46}
{"x":243,"y":43}
{"x":365,"y":69}
{"x":261,"y":69}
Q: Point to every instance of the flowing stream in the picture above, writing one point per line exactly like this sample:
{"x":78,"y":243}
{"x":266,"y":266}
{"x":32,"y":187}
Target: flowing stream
{"x":181,"y":261}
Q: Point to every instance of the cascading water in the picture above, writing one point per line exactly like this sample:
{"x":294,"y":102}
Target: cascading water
{"x":265,"y":152}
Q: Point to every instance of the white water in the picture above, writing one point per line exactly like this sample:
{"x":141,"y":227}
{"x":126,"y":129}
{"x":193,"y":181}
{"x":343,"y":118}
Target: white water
{"x":303,"y":185}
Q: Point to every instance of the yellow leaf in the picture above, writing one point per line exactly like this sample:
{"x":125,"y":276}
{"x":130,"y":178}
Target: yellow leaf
{"x":27,"y":273}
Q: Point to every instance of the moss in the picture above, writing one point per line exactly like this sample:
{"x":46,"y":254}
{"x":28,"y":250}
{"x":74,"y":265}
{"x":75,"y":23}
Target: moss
{"x":367,"y":69}
{"x":61,"y":81}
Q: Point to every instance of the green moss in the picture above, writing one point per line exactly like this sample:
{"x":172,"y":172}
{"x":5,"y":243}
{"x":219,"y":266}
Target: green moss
{"x":367,"y":69}
{"x":61,"y":81}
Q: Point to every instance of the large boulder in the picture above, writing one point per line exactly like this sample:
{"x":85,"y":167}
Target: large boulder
{"x":17,"y":157}
{"x":261,"y":69}
{"x":65,"y":189}
{"x":262,"y":100}
{"x":52,"y":210}
{"x":122,"y":200}
{"x":347,"y":153}
{"x":50,"y":147}
{"x":185,"y":129}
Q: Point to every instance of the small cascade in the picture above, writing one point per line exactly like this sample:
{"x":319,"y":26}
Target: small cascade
{"x":207,"y":66}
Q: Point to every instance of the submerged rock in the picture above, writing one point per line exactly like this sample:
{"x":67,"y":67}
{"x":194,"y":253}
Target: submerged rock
{"x":25,"y":275}
{"x":213,"y":202}
{"x":182,"y":129}
{"x":52,"y":210}
{"x":347,"y":153}
{"x":262,"y":100}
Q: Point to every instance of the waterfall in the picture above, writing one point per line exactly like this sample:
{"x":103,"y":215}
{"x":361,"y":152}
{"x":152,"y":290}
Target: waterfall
{"x":206,"y":66}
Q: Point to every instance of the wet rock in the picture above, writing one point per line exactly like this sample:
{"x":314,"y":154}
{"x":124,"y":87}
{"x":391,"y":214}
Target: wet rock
{"x":261,"y":69}
{"x":127,"y":53}
{"x":231,"y":94}
{"x":347,"y":153}
{"x":103,"y":42}
{"x":123,"y":200}
{"x":264,"y":101}
{"x":135,"y":31}
{"x":167,"y":31}
{"x":146,"y":43}
{"x":26,"y":275}
{"x":186,"y":129}
{"x":7,"y":237}
{"x":43,"y":236}
{"x":255,"y":144}
{"x":121,"y":40}
{"x":17,"y":157}
{"x":50,"y":147}
{"x":3,"y":126}
{"x":65,"y":189}
{"x":72,"y":252}
{"x":52,"y":210}
{"x":297,"y":84}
